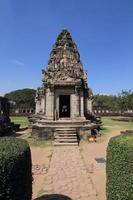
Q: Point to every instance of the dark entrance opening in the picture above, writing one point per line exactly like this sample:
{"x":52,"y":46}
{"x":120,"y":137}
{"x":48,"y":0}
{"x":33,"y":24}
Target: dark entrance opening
{"x":64,"y":106}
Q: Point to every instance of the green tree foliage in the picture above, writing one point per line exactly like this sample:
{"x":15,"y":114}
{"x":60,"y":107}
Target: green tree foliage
{"x":23,"y":96}
{"x":126,"y":100}
{"x":123,"y":101}
{"x":15,"y":169}
{"x":119,"y":168}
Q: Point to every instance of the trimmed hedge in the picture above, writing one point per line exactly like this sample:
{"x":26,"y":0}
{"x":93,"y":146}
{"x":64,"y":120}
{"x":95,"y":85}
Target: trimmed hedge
{"x":15,"y":169}
{"x":119,"y":168}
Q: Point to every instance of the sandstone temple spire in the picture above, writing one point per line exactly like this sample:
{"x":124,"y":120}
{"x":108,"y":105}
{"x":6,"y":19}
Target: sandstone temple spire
{"x":63,"y":101}
{"x":64,"y":63}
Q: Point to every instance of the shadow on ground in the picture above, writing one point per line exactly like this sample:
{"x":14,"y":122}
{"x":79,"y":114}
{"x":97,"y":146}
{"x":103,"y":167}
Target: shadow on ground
{"x":53,"y":197}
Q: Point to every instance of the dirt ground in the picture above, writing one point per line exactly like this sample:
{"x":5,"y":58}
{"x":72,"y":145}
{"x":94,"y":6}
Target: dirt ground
{"x":41,"y":155}
{"x":89,"y":151}
{"x":97,"y":171}
{"x":40,"y":164}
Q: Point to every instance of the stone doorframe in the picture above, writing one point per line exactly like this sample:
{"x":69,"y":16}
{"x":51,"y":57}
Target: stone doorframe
{"x":76,"y":103}
{"x":64,"y":106}
{"x":59,"y":92}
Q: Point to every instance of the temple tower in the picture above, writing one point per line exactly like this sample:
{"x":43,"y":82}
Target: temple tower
{"x":64,"y":98}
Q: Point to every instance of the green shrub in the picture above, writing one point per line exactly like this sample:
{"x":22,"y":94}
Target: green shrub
{"x":119,"y":168}
{"x":15,"y":169}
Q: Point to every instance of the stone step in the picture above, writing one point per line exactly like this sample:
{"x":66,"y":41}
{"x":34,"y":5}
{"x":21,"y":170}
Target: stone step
{"x":65,"y":144}
{"x":65,"y":129}
{"x":65,"y":133}
{"x":66,"y":139}
{"x":65,"y":136}
{"x":66,"y":124}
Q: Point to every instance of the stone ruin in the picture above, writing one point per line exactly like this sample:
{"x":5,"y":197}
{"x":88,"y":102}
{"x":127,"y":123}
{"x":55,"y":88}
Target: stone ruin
{"x":64,"y":98}
{"x":7,"y":127}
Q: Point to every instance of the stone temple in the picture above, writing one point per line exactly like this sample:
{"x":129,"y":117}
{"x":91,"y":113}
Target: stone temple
{"x":64,"y":98}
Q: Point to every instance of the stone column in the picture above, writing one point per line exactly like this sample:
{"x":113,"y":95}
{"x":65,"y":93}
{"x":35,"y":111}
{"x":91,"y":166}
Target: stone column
{"x":72,"y":106}
{"x":43,"y":104}
{"x":49,"y":104}
{"x":89,"y":105}
{"x":86,"y":104}
{"x":38,"y":106}
{"x":81,"y":104}
{"x":75,"y":105}
{"x":56,"y":107}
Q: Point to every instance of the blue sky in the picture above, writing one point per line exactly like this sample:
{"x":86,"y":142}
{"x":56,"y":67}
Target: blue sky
{"x":102,"y":30}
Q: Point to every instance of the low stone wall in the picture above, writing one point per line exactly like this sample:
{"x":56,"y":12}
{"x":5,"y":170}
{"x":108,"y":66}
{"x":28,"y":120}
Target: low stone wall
{"x":108,"y":112}
{"x":22,"y":111}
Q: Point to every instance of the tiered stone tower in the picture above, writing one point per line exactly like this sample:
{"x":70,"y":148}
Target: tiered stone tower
{"x":64,"y":98}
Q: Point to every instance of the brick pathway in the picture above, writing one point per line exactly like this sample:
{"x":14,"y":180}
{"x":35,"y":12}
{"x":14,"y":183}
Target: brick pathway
{"x":68,"y":176}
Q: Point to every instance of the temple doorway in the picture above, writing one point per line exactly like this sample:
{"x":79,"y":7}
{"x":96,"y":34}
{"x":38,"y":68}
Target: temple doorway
{"x":64,"y":106}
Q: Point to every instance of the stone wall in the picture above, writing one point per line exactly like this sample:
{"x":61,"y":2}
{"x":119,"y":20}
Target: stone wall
{"x":103,"y":111}
{"x":21,"y":110}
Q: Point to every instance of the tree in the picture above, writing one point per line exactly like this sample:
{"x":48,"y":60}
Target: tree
{"x":123,"y":101}
{"x":22,"y":97}
{"x":126,"y":100}
{"x":108,"y":101}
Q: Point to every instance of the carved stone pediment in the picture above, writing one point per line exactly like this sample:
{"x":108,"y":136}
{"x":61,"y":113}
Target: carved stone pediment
{"x":64,"y":63}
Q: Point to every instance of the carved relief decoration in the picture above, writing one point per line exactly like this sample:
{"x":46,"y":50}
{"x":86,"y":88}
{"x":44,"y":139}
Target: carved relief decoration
{"x":64,"y":63}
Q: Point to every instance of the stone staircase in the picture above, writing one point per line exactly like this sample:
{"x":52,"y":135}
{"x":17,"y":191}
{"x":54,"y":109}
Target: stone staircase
{"x":65,"y":137}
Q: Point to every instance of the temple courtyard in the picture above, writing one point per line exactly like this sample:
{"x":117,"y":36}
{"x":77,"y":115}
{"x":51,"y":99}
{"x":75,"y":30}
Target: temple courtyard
{"x":71,"y":173}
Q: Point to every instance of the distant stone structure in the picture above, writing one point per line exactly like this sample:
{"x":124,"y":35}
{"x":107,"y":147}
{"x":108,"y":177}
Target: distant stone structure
{"x":21,"y":110}
{"x":7,"y":128}
{"x":106,"y":111}
{"x":64,"y":98}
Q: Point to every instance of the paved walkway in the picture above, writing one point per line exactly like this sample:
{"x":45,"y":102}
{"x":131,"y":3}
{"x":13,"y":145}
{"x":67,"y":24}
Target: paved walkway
{"x":68,"y":176}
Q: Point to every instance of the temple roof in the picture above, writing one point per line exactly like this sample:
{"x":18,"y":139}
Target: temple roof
{"x":64,"y":64}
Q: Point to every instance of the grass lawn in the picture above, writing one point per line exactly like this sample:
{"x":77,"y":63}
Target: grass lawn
{"x":23,"y":121}
{"x":110,"y":125}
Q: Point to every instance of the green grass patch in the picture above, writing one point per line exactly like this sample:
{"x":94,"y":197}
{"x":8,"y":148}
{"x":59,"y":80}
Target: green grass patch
{"x":33,"y":141}
{"x":105,"y":130}
{"x":23,"y":121}
{"x":110,"y":125}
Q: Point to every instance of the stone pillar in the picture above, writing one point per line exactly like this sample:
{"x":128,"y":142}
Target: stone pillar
{"x":89,"y":105}
{"x":77,"y":105}
{"x":56,"y":111}
{"x":86,"y":104}
{"x":74,"y":106}
{"x":38,"y":106}
{"x":43,"y":104}
{"x":81,"y":104}
{"x":49,"y":104}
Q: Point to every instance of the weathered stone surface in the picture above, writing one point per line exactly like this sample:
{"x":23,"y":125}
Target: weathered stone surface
{"x":64,"y":63}
{"x":64,"y":93}
{"x":68,"y":176}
